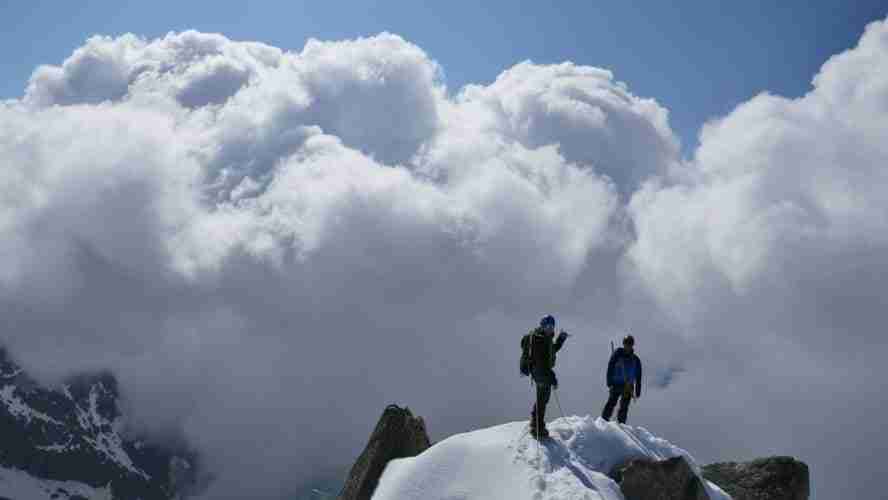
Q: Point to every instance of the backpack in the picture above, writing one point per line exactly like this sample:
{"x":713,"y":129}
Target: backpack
{"x":524,"y":364}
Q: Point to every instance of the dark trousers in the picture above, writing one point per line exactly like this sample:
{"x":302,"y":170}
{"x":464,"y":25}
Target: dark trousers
{"x":615,"y":394}
{"x":538,"y":414}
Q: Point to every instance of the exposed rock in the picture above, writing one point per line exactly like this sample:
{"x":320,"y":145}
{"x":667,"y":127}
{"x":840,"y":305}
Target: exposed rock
{"x":671,"y":479}
{"x":74,"y":433}
{"x":398,"y":434}
{"x":772,"y":478}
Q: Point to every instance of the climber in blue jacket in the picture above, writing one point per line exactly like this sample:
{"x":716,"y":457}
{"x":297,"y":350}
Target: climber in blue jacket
{"x":623,"y":379}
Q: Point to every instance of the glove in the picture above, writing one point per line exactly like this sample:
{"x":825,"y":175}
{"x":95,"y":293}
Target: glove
{"x":563,"y":336}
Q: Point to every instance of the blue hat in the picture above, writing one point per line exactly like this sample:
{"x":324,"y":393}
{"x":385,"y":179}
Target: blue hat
{"x":548,"y":320}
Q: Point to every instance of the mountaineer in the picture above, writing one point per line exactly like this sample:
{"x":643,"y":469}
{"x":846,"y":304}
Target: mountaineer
{"x":623,"y":378}
{"x":537,"y":360}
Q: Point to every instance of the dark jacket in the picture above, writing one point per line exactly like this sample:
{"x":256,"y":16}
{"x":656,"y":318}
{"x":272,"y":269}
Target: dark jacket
{"x":539,"y":344}
{"x":624,"y":368}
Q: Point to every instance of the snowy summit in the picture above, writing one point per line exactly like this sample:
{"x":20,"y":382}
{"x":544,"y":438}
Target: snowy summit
{"x":505,"y":462}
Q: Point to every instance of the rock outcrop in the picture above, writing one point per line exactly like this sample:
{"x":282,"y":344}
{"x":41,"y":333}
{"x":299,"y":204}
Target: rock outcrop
{"x":671,"y":479}
{"x":772,"y":478}
{"x":398,"y":434}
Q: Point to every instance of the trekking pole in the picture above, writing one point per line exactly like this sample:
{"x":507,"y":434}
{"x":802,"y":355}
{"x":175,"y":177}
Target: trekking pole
{"x":536,"y":419}
{"x":536,"y":413}
{"x":608,"y":364}
{"x":557,"y":400}
{"x":526,"y":429}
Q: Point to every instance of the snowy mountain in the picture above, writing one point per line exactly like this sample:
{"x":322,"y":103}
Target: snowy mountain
{"x":66,"y":443}
{"x":504,"y":462}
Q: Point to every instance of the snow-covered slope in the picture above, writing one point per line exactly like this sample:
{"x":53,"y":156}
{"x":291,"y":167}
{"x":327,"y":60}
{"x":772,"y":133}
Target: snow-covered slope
{"x":503,"y":462}
{"x":19,"y":485}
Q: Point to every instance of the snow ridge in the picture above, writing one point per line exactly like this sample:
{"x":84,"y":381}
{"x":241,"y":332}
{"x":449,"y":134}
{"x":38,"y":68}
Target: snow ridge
{"x":13,"y":374}
{"x":106,"y":442}
{"x":504,"y":462}
{"x":19,"y":409}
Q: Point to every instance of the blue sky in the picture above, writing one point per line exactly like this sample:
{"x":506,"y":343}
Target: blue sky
{"x":698,"y":60}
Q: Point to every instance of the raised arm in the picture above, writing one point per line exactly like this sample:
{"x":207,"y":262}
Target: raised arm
{"x":559,"y":342}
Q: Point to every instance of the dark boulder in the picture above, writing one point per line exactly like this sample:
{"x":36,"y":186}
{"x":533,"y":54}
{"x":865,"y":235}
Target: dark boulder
{"x":772,"y":478}
{"x":398,"y":434}
{"x":671,"y":479}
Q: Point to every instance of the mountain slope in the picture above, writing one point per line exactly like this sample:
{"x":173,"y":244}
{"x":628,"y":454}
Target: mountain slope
{"x":503,"y":462}
{"x":19,"y":485}
{"x":68,"y":442}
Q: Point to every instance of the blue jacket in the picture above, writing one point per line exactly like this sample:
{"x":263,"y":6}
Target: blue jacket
{"x":624,"y":368}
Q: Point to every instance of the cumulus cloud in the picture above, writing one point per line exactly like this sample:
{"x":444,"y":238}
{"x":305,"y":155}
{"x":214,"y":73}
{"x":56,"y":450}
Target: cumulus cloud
{"x":246,"y":234}
{"x":594,"y":120}
{"x":268,"y":246}
{"x":778,"y":188}
{"x":770,"y":241}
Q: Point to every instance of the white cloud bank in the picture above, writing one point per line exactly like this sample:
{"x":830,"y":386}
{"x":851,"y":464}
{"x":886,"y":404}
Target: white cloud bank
{"x":268,"y":246}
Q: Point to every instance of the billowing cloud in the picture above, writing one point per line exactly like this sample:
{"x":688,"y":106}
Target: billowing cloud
{"x":770,"y":243}
{"x":782,"y":195}
{"x":595,"y":121}
{"x":268,"y":246}
{"x":247,"y":234}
